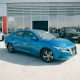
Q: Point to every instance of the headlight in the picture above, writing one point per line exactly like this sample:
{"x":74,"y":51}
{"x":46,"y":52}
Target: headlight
{"x":61,"y":48}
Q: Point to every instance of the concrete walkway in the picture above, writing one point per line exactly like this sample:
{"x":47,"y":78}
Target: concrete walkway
{"x":25,"y":67}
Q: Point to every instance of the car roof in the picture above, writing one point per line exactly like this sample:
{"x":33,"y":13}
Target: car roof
{"x":33,"y":30}
{"x":68,"y":27}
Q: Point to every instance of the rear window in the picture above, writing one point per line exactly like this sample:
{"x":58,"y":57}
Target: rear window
{"x":19,"y":34}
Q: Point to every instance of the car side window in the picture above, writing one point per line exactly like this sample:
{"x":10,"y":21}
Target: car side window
{"x":19,"y":34}
{"x":28,"y":35}
{"x":62,"y":30}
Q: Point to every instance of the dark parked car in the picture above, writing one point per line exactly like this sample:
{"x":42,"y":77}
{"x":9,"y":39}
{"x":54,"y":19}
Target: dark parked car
{"x":70,"y":33}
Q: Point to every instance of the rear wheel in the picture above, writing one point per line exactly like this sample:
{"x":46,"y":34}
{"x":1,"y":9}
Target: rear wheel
{"x":47,"y":55}
{"x":10,"y":48}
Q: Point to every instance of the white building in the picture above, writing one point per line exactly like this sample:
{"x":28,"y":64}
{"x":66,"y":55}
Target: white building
{"x":41,"y":14}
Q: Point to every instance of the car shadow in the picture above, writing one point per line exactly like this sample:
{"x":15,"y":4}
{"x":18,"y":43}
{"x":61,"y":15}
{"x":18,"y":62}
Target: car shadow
{"x":24,"y":58}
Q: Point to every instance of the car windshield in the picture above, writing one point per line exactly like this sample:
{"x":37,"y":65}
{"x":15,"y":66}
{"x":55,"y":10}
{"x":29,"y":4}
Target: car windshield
{"x":45,"y":35}
{"x":70,"y":30}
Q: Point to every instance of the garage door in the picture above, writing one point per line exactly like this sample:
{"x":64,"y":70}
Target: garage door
{"x":42,"y":25}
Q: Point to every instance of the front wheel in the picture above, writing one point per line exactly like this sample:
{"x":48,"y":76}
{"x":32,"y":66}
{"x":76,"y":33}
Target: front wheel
{"x":47,"y":55}
{"x":10,"y":48}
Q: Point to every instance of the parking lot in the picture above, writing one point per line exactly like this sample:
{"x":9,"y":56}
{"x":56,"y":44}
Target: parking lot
{"x":19,"y":66}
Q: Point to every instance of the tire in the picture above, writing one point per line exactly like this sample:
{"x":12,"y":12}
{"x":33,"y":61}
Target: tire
{"x":78,"y":41}
{"x":47,"y":55}
{"x":10,"y":48}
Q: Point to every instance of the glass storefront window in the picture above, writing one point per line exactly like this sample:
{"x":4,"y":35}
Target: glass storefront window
{"x":77,"y":20}
{"x":61,"y":21}
{"x":57,"y":14}
{"x":27,"y":21}
{"x":44,"y":17}
{"x":69,"y":21}
{"x":11,"y":24}
{"x":35,"y":17}
{"x":52,"y":22}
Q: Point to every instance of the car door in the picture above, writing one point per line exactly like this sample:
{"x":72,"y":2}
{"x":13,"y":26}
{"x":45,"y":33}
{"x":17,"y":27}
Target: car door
{"x":62,"y":32}
{"x":18,"y":40}
{"x":30,"y":42}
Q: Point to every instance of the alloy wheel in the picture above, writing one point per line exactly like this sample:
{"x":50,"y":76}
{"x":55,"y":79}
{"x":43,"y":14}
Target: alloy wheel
{"x":47,"y":55}
{"x":10,"y":48}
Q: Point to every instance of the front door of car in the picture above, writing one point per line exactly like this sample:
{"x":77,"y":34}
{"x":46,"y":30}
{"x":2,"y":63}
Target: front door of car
{"x":30,"y":42}
{"x":18,"y":40}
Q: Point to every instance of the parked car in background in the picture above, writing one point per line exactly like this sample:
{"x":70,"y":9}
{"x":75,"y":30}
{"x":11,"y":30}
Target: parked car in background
{"x":40,"y":43}
{"x":78,"y":29}
{"x":54,"y":31}
{"x":70,"y":33}
{"x":1,"y":36}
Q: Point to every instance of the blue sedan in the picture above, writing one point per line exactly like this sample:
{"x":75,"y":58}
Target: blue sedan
{"x":40,"y":43}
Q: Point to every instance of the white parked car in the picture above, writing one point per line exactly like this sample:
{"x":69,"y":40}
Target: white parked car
{"x":1,"y":36}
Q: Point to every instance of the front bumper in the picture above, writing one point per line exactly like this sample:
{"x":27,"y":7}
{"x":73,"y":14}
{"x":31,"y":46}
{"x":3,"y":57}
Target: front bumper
{"x":65,"y":55}
{"x":77,"y":39}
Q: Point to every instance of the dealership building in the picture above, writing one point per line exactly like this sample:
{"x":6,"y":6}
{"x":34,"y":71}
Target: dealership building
{"x":38,"y":14}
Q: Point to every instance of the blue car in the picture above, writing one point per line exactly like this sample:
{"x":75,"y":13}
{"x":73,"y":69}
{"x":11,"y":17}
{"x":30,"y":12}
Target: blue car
{"x":40,"y":43}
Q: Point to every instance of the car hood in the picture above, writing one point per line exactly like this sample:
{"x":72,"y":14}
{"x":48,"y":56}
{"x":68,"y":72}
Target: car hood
{"x":61,"y":42}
